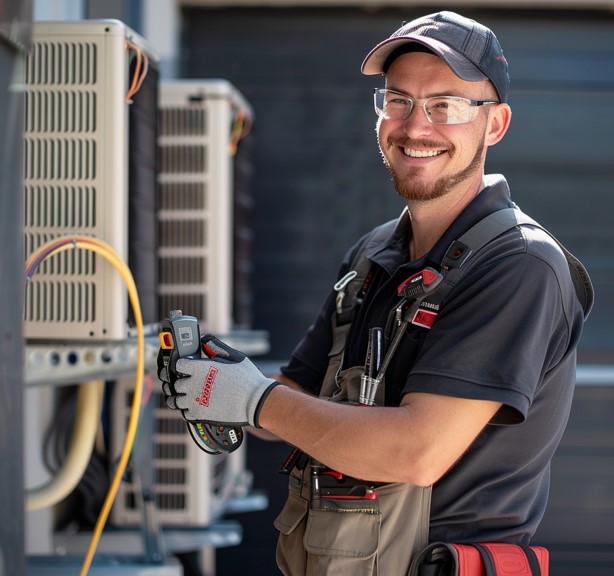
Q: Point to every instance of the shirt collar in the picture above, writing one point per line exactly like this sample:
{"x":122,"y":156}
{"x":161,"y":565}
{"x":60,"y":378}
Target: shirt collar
{"x":392,"y":252}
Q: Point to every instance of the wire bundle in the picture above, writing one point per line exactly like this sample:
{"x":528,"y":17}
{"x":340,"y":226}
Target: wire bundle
{"x":139,"y":75}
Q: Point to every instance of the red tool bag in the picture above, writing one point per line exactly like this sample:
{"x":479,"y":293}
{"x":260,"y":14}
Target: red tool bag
{"x":483,"y":559}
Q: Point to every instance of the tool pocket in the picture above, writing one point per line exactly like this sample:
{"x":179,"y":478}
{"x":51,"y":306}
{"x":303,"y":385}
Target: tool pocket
{"x":291,"y":515}
{"x":291,"y":556}
{"x":356,"y":537}
{"x":339,"y":539}
{"x":341,"y":543}
{"x":346,"y":387}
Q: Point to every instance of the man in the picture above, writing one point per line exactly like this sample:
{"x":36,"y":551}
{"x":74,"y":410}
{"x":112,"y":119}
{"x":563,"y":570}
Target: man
{"x":478,"y":386}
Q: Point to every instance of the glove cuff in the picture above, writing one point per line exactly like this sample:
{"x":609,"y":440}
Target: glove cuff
{"x":262,"y":401}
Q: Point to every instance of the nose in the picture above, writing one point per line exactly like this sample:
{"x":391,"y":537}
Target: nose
{"x":417,"y":122}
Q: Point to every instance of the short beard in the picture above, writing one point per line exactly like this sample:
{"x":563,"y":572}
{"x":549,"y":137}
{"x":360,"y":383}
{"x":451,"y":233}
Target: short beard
{"x":411,"y":189}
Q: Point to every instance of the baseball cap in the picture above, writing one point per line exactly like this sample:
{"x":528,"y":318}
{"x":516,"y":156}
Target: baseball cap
{"x":469,"y":48}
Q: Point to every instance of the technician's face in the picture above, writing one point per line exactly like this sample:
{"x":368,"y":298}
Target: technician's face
{"x":430,"y":160}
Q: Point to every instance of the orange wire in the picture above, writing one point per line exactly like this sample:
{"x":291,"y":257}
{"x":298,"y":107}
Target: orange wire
{"x":138,"y":76}
{"x":241,"y":127}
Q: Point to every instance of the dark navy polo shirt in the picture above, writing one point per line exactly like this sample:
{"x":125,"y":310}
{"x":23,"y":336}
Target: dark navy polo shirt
{"x":508,"y":332}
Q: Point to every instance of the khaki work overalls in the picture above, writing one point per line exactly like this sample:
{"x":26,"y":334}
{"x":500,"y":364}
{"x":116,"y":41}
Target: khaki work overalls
{"x":350,"y":539}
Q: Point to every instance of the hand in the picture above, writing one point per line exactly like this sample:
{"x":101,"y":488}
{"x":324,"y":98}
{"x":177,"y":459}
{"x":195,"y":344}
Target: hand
{"x":225,"y":387}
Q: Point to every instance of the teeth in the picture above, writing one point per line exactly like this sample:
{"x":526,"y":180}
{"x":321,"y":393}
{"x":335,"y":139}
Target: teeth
{"x":421,"y":153}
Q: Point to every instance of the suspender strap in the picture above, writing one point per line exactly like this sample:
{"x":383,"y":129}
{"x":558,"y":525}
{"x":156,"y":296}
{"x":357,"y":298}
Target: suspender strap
{"x":488,"y":229}
{"x":350,"y":289}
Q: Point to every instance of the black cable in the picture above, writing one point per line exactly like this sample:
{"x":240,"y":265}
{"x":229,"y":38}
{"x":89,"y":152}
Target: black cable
{"x":85,"y":502}
{"x":58,"y":433}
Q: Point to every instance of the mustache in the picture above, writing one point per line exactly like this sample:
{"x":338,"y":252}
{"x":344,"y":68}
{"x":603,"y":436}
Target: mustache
{"x":406,"y":142}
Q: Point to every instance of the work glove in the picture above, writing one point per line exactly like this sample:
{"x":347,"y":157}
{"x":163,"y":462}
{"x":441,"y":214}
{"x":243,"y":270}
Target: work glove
{"x":224,"y":387}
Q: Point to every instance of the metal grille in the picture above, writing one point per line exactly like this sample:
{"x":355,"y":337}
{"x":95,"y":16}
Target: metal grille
{"x":183,"y":122}
{"x":61,"y":111}
{"x":183,"y":232}
{"x":53,"y":206}
{"x":196,"y":222}
{"x":183,"y":196}
{"x":179,"y":159}
{"x":56,"y":62}
{"x":60,"y":302}
{"x":184,"y":270}
{"x":60,"y":159}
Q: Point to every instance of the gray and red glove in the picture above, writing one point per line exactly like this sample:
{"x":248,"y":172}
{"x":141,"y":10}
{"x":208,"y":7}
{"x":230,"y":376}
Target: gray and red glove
{"x":223,"y":387}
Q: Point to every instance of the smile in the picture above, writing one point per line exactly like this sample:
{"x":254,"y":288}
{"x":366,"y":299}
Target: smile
{"x":422,"y":153}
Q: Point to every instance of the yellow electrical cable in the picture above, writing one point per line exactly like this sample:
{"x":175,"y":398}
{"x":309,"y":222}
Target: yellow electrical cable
{"x":106,"y":251}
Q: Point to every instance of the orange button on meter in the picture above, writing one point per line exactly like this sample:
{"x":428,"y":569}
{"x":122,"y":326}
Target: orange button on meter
{"x":166,"y":340}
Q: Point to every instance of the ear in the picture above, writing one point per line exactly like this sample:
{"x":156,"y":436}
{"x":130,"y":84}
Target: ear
{"x":499,"y":119}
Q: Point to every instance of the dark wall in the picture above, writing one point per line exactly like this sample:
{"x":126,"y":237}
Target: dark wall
{"x":319,"y":181}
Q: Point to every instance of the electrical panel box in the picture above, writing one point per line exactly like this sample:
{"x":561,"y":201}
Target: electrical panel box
{"x":205,"y":204}
{"x":78,"y":110}
{"x":190,"y":488}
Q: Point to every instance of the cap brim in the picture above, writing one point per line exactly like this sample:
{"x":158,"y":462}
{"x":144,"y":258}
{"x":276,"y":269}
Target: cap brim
{"x":461,"y":66}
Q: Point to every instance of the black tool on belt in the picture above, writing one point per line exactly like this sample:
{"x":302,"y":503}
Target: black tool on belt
{"x":296,"y":459}
{"x":333,"y":484}
{"x":331,"y":489}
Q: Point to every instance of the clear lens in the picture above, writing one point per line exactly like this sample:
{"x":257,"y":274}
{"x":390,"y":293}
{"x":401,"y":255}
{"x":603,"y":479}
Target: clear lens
{"x":449,"y":110}
{"x":391,"y":105}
